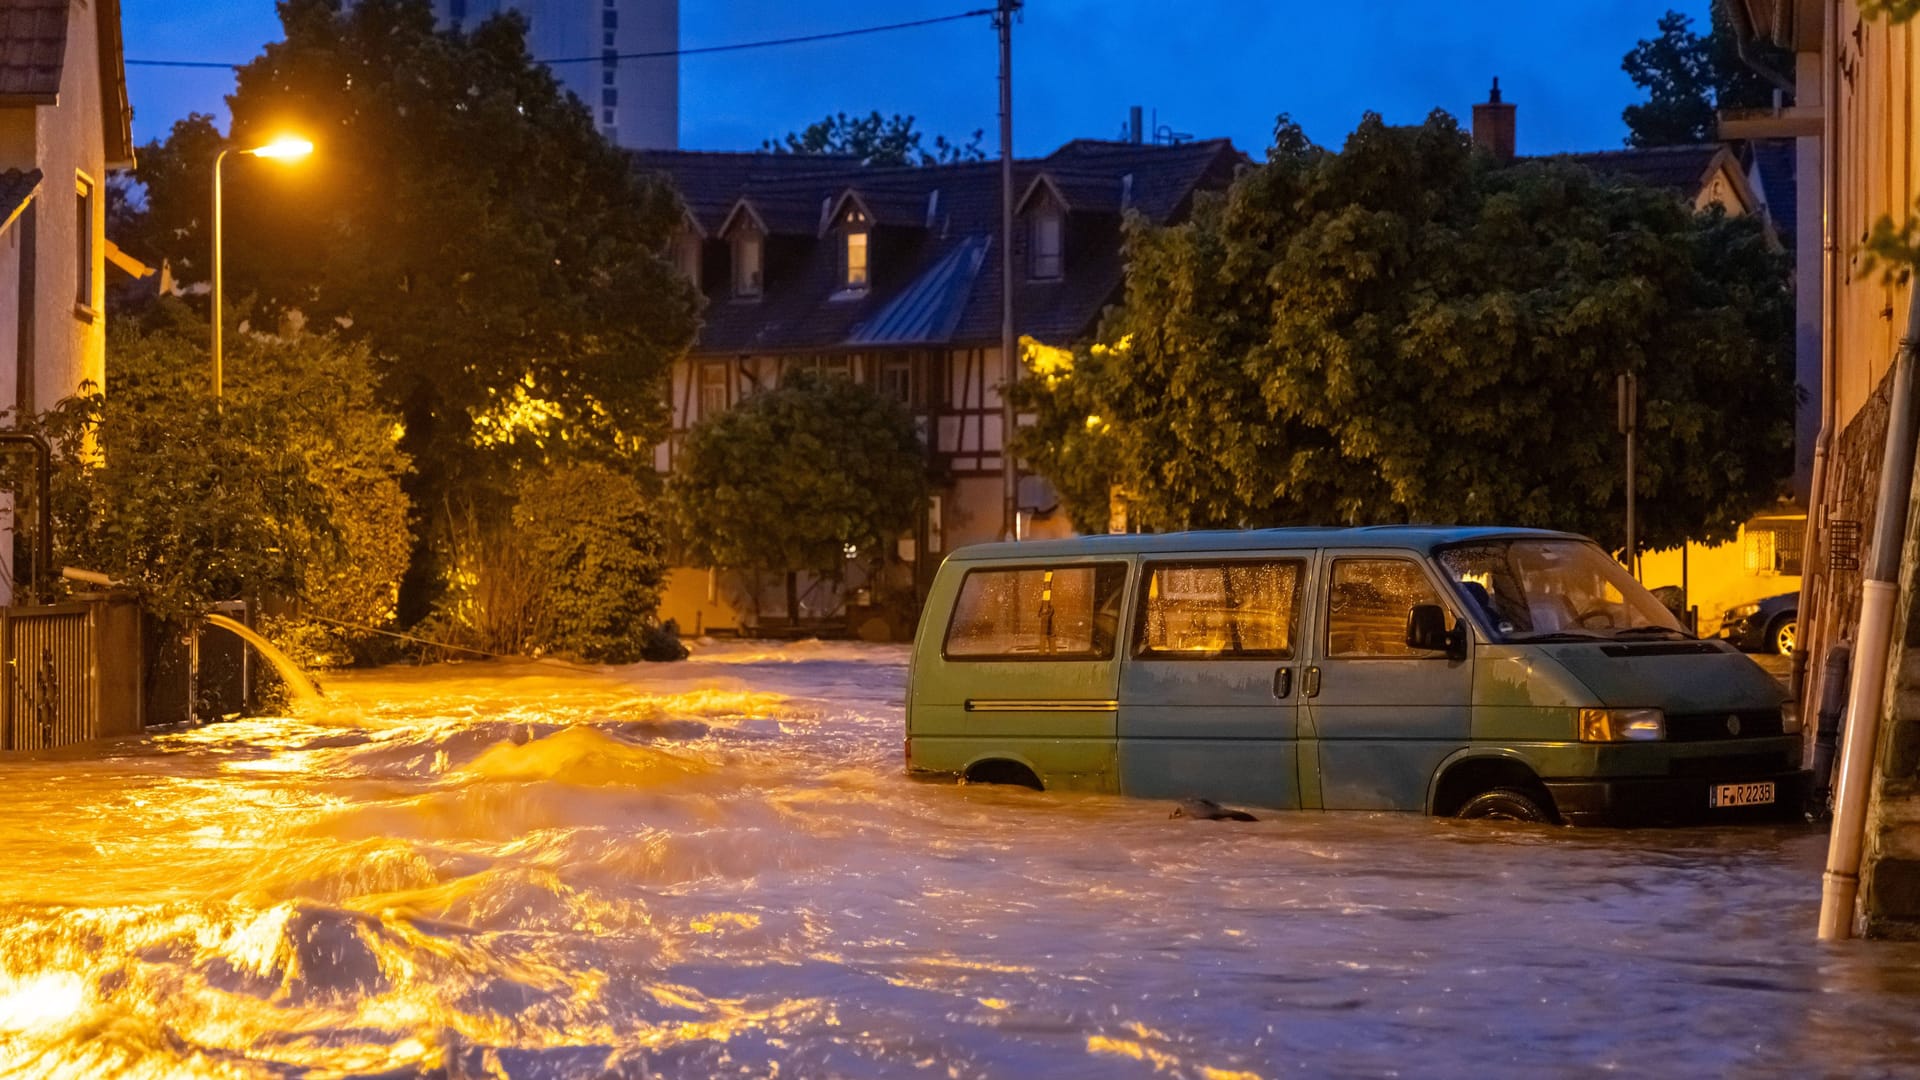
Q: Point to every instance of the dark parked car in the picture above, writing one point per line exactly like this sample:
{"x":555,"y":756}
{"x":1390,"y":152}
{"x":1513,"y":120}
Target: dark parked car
{"x":1768,"y":625}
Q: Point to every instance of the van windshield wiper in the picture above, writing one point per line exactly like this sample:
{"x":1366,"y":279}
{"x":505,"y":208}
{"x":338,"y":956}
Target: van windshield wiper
{"x":1559,"y":635}
{"x":1639,"y":631}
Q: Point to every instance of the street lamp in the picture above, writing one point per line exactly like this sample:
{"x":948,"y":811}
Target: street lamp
{"x":285,"y":148}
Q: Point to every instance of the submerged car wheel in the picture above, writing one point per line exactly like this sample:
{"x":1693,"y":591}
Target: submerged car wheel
{"x":1784,"y":633}
{"x":1505,"y":804}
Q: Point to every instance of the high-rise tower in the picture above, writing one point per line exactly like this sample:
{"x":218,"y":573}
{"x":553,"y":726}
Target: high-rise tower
{"x":635,"y":103}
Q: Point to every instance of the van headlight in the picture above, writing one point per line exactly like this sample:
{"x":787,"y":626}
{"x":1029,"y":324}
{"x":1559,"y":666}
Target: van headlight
{"x":1622,"y":725}
{"x":1790,"y":718}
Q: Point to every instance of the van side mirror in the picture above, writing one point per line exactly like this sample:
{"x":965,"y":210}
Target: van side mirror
{"x":1427,"y":630}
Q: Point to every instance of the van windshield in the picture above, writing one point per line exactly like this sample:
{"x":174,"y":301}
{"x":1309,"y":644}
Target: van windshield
{"x":1554,"y":590}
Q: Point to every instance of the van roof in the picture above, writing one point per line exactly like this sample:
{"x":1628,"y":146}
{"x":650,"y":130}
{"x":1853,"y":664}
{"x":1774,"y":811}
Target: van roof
{"x":1422,"y":538}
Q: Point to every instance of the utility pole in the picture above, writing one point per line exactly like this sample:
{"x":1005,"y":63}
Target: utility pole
{"x":1009,"y":347}
{"x":1627,"y":390}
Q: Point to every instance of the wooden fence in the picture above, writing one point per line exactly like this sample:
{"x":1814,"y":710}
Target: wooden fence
{"x":72,"y":672}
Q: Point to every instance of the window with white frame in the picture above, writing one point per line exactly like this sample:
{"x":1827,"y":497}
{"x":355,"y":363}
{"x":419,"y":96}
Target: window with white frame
{"x":713,"y":389}
{"x":83,"y":242}
{"x":749,"y":249}
{"x":686,"y":255}
{"x":1045,"y":241}
{"x":896,"y":380}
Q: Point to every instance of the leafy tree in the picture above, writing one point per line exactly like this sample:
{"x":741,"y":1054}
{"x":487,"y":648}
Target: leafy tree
{"x":876,"y":140}
{"x":462,"y":217}
{"x":1408,"y":331}
{"x":289,"y":488}
{"x":793,"y":477}
{"x":1688,"y":77}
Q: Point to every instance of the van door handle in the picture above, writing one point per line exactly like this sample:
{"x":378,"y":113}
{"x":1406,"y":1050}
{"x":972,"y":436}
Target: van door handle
{"x":1283,"y":683}
{"x":1310,"y":686}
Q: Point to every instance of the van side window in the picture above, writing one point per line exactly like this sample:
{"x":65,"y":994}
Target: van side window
{"x":1037,"y":613}
{"x":1367,"y":607}
{"x":1236,"y":610}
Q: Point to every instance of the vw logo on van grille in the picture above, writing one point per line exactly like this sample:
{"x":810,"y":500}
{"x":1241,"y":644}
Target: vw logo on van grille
{"x":1733,"y":725}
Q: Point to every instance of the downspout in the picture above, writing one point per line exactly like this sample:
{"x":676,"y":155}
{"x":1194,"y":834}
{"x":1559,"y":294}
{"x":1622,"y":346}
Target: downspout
{"x":1879,"y":593}
{"x":1813,"y":553}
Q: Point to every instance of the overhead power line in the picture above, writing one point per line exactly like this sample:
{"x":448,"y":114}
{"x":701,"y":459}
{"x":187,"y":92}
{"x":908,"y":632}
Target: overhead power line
{"x":978,"y":13}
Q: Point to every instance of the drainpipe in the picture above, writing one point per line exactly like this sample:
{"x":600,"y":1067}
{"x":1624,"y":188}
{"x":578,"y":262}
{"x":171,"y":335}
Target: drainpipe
{"x":1813,"y":552}
{"x":1879,"y":593}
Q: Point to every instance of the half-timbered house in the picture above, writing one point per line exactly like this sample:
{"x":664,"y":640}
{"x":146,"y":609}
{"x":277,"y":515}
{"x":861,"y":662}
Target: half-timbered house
{"x":891,"y":276}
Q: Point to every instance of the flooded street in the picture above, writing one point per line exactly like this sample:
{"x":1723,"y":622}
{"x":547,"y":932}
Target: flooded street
{"x":718,"y":868}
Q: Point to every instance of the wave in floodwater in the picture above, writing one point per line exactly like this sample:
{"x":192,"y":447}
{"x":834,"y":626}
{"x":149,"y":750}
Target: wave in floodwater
{"x":717,"y":868}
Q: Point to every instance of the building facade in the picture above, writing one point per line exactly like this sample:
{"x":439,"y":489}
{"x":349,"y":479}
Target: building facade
{"x":589,"y":46}
{"x":64,"y":123}
{"x":892,"y":277}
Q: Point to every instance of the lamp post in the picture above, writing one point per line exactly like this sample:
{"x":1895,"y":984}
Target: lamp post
{"x":285,"y":148}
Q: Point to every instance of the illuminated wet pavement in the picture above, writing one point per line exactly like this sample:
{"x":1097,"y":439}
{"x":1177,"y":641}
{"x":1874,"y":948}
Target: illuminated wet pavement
{"x":716,"y":868}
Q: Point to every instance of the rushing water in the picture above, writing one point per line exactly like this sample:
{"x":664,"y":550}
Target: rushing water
{"x":717,"y":868}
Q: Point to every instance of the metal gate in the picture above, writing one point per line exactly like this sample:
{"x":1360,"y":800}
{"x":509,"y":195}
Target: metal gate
{"x":72,"y":672}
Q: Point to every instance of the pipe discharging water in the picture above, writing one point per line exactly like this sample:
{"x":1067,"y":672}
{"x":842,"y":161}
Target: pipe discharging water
{"x":298,"y":684}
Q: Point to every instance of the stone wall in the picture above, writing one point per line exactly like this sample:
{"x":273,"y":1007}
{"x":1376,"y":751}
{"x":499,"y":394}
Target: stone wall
{"x":1890,"y":869}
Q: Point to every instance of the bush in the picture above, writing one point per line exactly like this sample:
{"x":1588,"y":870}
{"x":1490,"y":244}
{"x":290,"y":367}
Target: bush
{"x":289,"y":489}
{"x":575,"y":568}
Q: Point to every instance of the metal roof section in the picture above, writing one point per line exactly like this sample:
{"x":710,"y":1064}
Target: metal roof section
{"x":927,"y":310}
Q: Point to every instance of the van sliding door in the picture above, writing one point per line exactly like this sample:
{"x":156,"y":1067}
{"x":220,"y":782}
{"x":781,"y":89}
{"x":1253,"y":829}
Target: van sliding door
{"x":1209,"y":689}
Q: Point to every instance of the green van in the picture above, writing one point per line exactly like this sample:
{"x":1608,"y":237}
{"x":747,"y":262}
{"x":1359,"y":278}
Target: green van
{"x":1472,"y":672}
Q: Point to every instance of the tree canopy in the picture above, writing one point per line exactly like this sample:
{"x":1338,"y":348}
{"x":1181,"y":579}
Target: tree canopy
{"x":461,"y":215}
{"x":876,"y":140}
{"x":1407,"y":330}
{"x":791,"y":478}
{"x":1688,"y":77}
{"x":288,"y":487}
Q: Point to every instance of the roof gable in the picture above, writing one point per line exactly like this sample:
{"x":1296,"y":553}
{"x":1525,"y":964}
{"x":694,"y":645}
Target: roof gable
{"x":33,"y":60}
{"x":933,"y":282}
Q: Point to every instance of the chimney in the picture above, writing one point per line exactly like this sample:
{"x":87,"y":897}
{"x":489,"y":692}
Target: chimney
{"x":1493,"y":125}
{"x":1134,"y":132}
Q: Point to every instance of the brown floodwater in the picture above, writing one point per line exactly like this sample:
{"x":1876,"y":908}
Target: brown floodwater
{"x":717,"y":868}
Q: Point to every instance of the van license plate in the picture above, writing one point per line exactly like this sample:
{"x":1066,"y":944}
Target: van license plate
{"x":1741,"y":794}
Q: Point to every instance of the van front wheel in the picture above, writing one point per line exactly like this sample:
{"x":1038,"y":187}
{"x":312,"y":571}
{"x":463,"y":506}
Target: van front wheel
{"x":1505,"y":804}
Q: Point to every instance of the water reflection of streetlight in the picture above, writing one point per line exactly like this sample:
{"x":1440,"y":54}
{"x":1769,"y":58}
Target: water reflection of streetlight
{"x":285,"y":148}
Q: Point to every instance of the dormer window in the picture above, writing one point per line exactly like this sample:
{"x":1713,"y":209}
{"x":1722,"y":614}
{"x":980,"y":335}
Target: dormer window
{"x":686,"y":255}
{"x":855,"y":258}
{"x":1045,"y":243}
{"x":749,"y":249}
{"x":854,"y":249}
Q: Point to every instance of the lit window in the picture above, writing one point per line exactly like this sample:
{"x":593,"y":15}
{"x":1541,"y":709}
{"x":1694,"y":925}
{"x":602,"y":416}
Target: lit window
{"x":856,"y":258}
{"x":747,"y":252}
{"x":1043,"y":246}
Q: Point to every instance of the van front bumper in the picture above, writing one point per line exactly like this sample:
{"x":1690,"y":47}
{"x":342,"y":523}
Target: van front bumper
{"x":1669,"y":800}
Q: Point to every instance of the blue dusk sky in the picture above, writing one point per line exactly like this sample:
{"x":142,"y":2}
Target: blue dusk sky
{"x":1208,"y":68}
